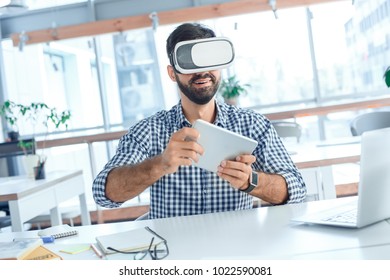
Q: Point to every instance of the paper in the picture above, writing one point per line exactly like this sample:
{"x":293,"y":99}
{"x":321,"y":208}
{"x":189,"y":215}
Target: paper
{"x":17,"y":250}
{"x":75,"y":248}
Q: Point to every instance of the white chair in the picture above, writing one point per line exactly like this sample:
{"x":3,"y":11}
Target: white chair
{"x":67,"y":215}
{"x":370,"y":121}
{"x":319,"y":180}
{"x":288,"y":129}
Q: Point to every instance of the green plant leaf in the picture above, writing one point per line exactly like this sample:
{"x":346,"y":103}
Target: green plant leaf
{"x":231,"y":88}
{"x":25,"y":146}
{"x":32,"y":113}
{"x":386,"y":76}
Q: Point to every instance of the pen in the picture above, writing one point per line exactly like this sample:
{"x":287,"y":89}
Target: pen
{"x":45,"y":239}
{"x":97,"y":251}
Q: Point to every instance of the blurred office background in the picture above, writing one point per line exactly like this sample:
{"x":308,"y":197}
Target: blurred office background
{"x":306,"y":56}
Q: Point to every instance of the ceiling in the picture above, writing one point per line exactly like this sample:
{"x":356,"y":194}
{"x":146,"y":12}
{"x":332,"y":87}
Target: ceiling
{"x":76,"y":18}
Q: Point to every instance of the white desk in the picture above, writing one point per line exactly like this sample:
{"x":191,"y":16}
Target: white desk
{"x":261,"y":233}
{"x":375,"y":252}
{"x":309,"y":155}
{"x":29,"y":198}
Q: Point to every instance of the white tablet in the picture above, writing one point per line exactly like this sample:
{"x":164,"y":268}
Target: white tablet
{"x":220,"y":144}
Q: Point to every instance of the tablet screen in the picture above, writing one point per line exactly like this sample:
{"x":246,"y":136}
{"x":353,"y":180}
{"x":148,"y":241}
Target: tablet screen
{"x":220,"y":144}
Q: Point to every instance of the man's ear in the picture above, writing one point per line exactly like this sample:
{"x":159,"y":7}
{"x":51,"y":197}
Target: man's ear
{"x":171,"y":73}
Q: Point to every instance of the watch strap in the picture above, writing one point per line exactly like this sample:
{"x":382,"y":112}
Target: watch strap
{"x":248,"y":189}
{"x":253,"y":180}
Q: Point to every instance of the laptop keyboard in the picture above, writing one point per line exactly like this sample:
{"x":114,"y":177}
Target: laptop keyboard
{"x":344,"y":217}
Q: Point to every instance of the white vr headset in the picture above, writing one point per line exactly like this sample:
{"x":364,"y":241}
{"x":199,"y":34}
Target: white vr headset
{"x":202,"y":55}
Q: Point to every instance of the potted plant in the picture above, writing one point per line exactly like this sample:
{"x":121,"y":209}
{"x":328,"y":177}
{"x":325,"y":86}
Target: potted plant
{"x":231,"y":89}
{"x":386,"y":76}
{"x":34,"y":114}
{"x":10,"y":111}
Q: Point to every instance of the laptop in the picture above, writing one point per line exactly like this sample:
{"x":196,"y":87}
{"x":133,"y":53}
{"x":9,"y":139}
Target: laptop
{"x":220,"y":144}
{"x":373,"y":202}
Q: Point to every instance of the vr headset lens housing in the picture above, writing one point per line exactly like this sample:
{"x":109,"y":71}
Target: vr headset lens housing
{"x":203,"y":55}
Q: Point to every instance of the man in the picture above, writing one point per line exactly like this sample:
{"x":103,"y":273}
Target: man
{"x":154,"y":153}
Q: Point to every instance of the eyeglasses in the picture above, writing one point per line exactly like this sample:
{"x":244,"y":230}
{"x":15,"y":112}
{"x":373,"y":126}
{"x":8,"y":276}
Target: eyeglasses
{"x":157,"y":251}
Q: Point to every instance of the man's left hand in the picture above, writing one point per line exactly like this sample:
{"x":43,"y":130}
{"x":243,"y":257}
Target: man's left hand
{"x":237,"y":172}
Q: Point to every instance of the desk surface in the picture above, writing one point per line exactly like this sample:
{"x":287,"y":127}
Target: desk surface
{"x":261,"y":233}
{"x":28,"y":198}
{"x":16,"y":187}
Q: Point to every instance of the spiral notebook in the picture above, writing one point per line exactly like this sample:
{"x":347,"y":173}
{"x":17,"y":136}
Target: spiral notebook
{"x":58,"y":231}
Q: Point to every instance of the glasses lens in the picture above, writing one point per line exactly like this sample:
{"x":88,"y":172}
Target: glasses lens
{"x":160,"y":251}
{"x":140,"y":255}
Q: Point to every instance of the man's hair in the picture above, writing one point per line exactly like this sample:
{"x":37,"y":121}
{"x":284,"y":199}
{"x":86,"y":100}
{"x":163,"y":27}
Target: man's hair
{"x":185,"y":32}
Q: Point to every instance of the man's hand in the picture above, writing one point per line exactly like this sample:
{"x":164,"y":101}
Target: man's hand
{"x":180,"y":150}
{"x":237,"y":172}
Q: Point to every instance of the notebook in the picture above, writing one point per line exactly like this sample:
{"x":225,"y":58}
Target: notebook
{"x":373,"y":203}
{"x":220,"y":144}
{"x":128,"y":241}
{"x":58,"y":231}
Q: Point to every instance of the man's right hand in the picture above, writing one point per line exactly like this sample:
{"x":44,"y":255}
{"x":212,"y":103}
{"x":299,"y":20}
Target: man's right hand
{"x":180,"y":150}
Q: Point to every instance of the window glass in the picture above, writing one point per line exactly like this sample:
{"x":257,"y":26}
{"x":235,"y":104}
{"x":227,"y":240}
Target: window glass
{"x":332,"y":55}
{"x":60,"y":74}
{"x":65,"y":74}
{"x":110,"y":91}
{"x":272,"y":55}
{"x":138,"y":74}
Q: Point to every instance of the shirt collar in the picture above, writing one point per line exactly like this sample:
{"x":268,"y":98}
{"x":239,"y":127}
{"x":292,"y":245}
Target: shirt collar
{"x":222,"y":114}
{"x":181,"y":120}
{"x":220,"y":120}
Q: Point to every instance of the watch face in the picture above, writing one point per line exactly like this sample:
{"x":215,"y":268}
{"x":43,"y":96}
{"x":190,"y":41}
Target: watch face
{"x":254,"y":179}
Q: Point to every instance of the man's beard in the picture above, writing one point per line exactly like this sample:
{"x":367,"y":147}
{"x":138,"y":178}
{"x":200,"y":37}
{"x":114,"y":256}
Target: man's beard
{"x":202,"y":95}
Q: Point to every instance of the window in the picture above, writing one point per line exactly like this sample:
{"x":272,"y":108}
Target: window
{"x":272,"y":55}
{"x":63,"y":75}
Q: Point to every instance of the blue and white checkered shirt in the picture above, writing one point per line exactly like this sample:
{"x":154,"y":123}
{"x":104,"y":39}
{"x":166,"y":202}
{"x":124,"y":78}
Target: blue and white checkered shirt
{"x":192,"y":190}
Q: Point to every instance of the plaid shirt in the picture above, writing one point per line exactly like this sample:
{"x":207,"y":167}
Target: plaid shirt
{"x":192,"y":190}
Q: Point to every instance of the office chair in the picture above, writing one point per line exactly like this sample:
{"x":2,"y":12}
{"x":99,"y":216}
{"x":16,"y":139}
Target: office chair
{"x":288,"y":129}
{"x":370,"y":121}
{"x":5,"y":222}
{"x":4,"y":207}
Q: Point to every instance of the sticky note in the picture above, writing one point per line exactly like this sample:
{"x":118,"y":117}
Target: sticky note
{"x":75,"y":249}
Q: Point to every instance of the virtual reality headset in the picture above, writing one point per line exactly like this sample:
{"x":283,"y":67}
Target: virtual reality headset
{"x":202,"y":55}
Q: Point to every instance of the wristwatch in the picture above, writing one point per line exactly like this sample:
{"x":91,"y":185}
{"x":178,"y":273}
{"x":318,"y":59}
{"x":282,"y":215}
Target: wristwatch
{"x":253,"y":180}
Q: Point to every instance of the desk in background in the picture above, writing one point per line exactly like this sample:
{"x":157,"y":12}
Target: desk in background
{"x":326,"y":154}
{"x":259,"y":233}
{"x":29,"y":198}
{"x":315,"y":162}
